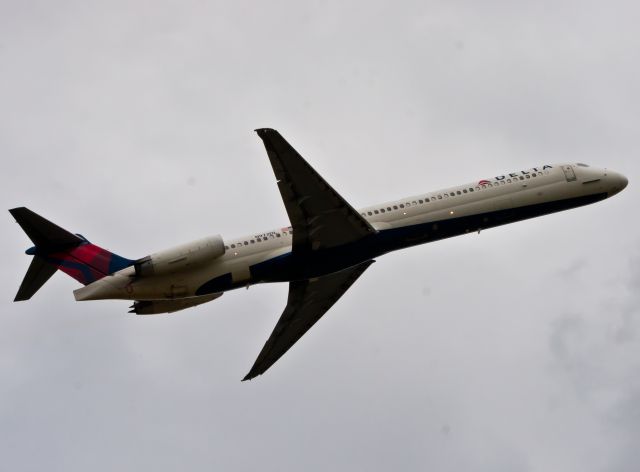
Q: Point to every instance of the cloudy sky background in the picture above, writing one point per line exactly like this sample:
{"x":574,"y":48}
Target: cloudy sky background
{"x":131,"y":123}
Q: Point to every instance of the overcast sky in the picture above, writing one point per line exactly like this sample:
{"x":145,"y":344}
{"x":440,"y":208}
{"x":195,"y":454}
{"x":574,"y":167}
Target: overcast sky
{"x":131,"y":122}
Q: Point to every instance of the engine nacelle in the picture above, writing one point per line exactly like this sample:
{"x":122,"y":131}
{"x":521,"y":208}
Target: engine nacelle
{"x":180,"y":258}
{"x":155,"y":307}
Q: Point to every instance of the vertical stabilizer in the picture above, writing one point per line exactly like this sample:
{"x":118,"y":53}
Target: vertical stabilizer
{"x":38,"y":273}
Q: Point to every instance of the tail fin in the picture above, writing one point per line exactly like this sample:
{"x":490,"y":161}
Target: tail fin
{"x":38,"y":273}
{"x":56,"y":248}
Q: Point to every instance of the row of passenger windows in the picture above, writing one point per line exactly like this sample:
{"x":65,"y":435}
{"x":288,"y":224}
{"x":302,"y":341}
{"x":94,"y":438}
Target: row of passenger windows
{"x":401,"y":206}
{"x":259,"y":240}
{"x":453,"y":193}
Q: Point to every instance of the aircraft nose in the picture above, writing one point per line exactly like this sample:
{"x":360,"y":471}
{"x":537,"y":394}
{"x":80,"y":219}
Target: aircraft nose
{"x":617,"y":183}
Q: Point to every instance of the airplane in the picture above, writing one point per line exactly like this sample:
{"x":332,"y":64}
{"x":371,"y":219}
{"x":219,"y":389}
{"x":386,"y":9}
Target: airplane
{"x":326,"y":248}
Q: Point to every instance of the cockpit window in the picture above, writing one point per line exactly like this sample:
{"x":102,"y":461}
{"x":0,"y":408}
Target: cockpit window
{"x":581,"y":164}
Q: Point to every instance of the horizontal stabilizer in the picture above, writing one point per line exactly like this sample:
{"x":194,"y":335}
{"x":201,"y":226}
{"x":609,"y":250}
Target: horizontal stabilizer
{"x":44,"y":234}
{"x":38,"y":273}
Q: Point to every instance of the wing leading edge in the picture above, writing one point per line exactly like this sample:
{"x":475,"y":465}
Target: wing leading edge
{"x":308,"y":301}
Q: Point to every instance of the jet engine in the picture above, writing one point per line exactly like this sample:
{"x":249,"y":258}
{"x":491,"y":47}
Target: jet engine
{"x":180,"y":258}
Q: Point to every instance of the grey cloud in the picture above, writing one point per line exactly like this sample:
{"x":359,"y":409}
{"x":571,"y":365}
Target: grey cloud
{"x":130,"y":122}
{"x":564,"y":330}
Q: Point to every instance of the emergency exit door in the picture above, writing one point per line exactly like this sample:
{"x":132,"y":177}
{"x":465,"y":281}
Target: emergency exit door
{"x":569,"y":174}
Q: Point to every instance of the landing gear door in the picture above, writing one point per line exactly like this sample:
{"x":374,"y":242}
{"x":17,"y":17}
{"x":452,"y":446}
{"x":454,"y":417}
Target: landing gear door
{"x":240,"y":274}
{"x":569,"y":174}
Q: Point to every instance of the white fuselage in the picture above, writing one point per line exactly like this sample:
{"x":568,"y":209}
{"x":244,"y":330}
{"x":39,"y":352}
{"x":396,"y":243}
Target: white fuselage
{"x":266,"y":256}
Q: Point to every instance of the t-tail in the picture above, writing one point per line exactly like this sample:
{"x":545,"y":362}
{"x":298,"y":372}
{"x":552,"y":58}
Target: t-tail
{"x":58,"y":249}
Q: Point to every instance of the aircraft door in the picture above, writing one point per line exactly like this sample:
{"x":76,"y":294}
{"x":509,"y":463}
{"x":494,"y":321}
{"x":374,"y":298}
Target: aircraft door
{"x":569,"y":174}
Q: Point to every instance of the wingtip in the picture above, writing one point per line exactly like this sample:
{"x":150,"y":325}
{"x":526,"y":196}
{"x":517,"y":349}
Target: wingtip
{"x":15,"y":210}
{"x":251,"y":375}
{"x":264,"y":131}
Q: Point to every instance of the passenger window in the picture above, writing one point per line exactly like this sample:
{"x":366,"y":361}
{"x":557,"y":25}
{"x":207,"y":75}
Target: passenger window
{"x":246,"y":243}
{"x":369,"y":213}
{"x":521,"y":178}
{"x":233,"y":246}
{"x":414,"y":203}
{"x":388,"y":208}
{"x":253,"y":241}
{"x":395,"y":207}
{"x":470,"y":190}
{"x":439,"y":197}
{"x":459,"y":192}
{"x":376,"y":211}
{"x":401,"y":205}
{"x":277,"y":235}
{"x":420,"y":202}
{"x":381,"y":210}
{"x":528,"y":176}
{"x":464,"y":190}
{"x":426,"y":200}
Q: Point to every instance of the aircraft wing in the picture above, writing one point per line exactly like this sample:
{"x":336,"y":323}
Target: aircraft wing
{"x":308,"y":301}
{"x":319,"y":216}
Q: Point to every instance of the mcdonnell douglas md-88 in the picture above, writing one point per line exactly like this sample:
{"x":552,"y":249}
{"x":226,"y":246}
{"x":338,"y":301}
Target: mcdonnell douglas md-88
{"x":327,"y":247}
